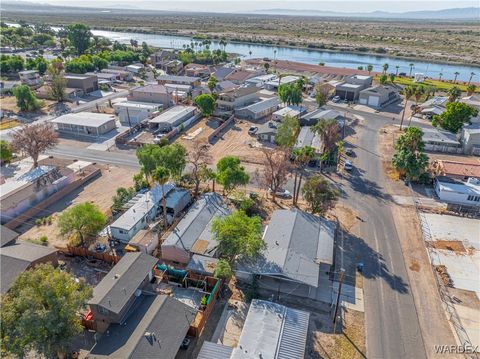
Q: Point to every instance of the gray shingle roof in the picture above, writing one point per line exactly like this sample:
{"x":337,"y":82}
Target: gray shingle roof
{"x":306,"y":137}
{"x":7,"y":236}
{"x":197,"y":222}
{"x":262,"y":105}
{"x":155,"y":329}
{"x":11,"y":268}
{"x":272,"y":331}
{"x":118,"y":286}
{"x":297,"y":242}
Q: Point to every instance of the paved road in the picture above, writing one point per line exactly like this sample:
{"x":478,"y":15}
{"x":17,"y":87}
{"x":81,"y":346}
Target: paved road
{"x":392,"y":326}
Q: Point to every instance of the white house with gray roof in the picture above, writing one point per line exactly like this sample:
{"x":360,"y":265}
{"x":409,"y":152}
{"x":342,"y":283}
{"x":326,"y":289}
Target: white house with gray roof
{"x":258,"y":110}
{"x":298,"y":256}
{"x":193,"y":233}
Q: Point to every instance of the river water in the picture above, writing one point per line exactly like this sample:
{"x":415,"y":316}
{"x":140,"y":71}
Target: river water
{"x":335,"y":59}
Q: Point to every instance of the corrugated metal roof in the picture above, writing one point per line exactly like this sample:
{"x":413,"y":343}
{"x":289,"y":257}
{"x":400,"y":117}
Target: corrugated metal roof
{"x":272,"y":331}
{"x":214,"y":351}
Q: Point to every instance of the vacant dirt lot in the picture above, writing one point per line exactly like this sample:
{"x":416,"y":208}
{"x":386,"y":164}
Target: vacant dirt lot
{"x":98,"y":191}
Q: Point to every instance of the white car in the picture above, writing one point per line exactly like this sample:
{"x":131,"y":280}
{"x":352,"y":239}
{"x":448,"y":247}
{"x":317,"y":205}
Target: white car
{"x":336,"y":99}
{"x":348,"y":165}
{"x":282,"y":193}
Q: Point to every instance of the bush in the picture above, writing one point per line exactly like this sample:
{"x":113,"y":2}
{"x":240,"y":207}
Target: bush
{"x":43,"y":240}
{"x":39,"y":222}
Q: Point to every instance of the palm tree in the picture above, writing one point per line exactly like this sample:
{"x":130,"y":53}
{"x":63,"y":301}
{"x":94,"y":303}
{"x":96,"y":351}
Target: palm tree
{"x":161,"y":176}
{"x":454,"y":93}
{"x":274,"y":60}
{"x":411,"y":68}
{"x":408,"y":92}
{"x":396,"y":72}
{"x":471,"y":76}
{"x":419,"y":92}
{"x":456,"y":73}
{"x":440,"y":76}
{"x":328,"y":130}
{"x":302,"y":156}
{"x":430,"y":91}
{"x":471,"y":89}
{"x":250,"y":53}
{"x":369,"y":68}
{"x":385,"y":68}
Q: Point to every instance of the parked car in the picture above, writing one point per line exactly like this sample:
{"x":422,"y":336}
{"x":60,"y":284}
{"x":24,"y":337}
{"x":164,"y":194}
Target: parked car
{"x":349,"y":152}
{"x":185,"y":344}
{"x":348,"y":165}
{"x":252,"y":130}
{"x":336,"y":99}
{"x":100,"y":248}
{"x":282,"y":193}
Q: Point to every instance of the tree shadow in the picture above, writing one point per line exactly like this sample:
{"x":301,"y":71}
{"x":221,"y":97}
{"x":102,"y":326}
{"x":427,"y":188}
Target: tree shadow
{"x":358,"y":183}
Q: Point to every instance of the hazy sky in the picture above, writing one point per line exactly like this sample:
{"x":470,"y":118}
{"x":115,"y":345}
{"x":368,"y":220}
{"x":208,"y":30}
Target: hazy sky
{"x":252,"y":5}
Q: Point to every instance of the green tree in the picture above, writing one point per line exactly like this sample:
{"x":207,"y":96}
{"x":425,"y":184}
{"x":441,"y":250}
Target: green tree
{"x":409,"y":157}
{"x":290,"y":93}
{"x":411,"y":68}
{"x":383,"y":79}
{"x":238,"y":234}
{"x":223,"y":270}
{"x":329,"y":132}
{"x":206,"y":104}
{"x":79,"y":36}
{"x":6,"y":152}
{"x":212,"y":82}
{"x":81,"y":223}
{"x":122,"y":197}
{"x":26,"y":99}
{"x":392,"y":78}
{"x":454,"y":94}
{"x":385,"y":68}
{"x":173,"y":157}
{"x":41,"y":312}
{"x":319,"y":194}
{"x":161,"y":175}
{"x":455,"y":116}
{"x":369,"y":69}
{"x":58,"y":83}
{"x":456,"y":73}
{"x":287,"y":132}
{"x":471,"y":89}
{"x":321,"y":96}
{"x":230,"y":174}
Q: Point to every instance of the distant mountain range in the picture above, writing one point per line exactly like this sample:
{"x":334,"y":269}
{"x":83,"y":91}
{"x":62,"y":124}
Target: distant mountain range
{"x":468,"y":13}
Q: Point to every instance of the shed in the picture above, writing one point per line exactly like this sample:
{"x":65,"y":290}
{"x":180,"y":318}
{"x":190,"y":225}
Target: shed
{"x":203,"y":265}
{"x":173,"y":117}
{"x":85,"y":123}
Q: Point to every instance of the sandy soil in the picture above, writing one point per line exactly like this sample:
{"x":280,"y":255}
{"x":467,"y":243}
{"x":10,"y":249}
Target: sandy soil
{"x":98,"y":191}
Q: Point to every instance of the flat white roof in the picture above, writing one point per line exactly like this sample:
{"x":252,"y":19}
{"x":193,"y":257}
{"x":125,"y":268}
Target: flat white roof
{"x":289,"y":110}
{"x":362,"y":77}
{"x":173,"y":114}
{"x":467,"y":188}
{"x":138,"y":105}
{"x":353,"y":86}
{"x":89,"y":119}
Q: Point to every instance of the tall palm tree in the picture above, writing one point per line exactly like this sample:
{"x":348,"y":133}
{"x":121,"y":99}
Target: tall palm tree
{"x":161,"y":176}
{"x":275,"y":60}
{"x":385,"y":68}
{"x":471,"y":76}
{"x":369,"y":68}
{"x":329,"y":132}
{"x":440,"y":76}
{"x":454,"y":93}
{"x":411,"y":68}
{"x":302,"y":156}
{"x":418,"y":93}
{"x":456,"y":73}
{"x":396,"y":72}
{"x":408,"y":92}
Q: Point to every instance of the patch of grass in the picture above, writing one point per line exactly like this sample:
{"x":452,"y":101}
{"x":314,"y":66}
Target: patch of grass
{"x":6,"y":124}
{"x":440,"y":85}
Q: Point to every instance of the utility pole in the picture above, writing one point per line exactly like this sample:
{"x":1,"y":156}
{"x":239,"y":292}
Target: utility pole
{"x":128,"y":116}
{"x":342,"y":274}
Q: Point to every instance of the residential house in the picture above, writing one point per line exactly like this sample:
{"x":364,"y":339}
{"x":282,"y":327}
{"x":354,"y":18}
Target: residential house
{"x":239,"y":76}
{"x":270,"y":331}
{"x":456,"y":170}
{"x":470,"y":139}
{"x":378,"y":96}
{"x":311,"y":118}
{"x":85,"y":123}
{"x":104,"y":78}
{"x":151,"y":93}
{"x":229,"y":101}
{"x":267,"y":132}
{"x":306,"y":137}
{"x":155,"y":329}
{"x":298,"y":256}
{"x":30,"y":78}
{"x":349,"y":90}
{"x":160,"y":57}
{"x":292,"y":111}
{"x":131,"y":113}
{"x":193,"y":234}
{"x":437,"y":140}
{"x":275,"y":83}
{"x":474,"y":101}
{"x":135,"y":68}
{"x":71,"y":94}
{"x":172,"y":67}
{"x":258,"y":110}
{"x":173,"y":118}
{"x":31,"y":188}
{"x":18,"y":256}
{"x":261,"y":81}
{"x":221,"y":72}
{"x":144,"y":208}
{"x":119,"y":73}
{"x":179,"y":80}
{"x":197,"y":70}
{"x":86,"y":83}
{"x":434,"y":106}
{"x":118,"y":290}
{"x":224,"y":86}
{"x":457,"y":192}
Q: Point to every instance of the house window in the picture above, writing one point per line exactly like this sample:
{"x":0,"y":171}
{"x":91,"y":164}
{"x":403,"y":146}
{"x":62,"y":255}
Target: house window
{"x":121,"y":231}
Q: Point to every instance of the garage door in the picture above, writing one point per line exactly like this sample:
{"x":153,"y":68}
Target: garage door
{"x":373,"y":101}
{"x":363,"y":101}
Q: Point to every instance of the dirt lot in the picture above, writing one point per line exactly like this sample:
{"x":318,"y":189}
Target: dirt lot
{"x":9,"y":103}
{"x":99,"y":191}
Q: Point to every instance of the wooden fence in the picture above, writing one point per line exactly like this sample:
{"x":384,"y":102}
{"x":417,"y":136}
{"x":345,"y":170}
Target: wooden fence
{"x":83,"y":252}
{"x":215,"y":134}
